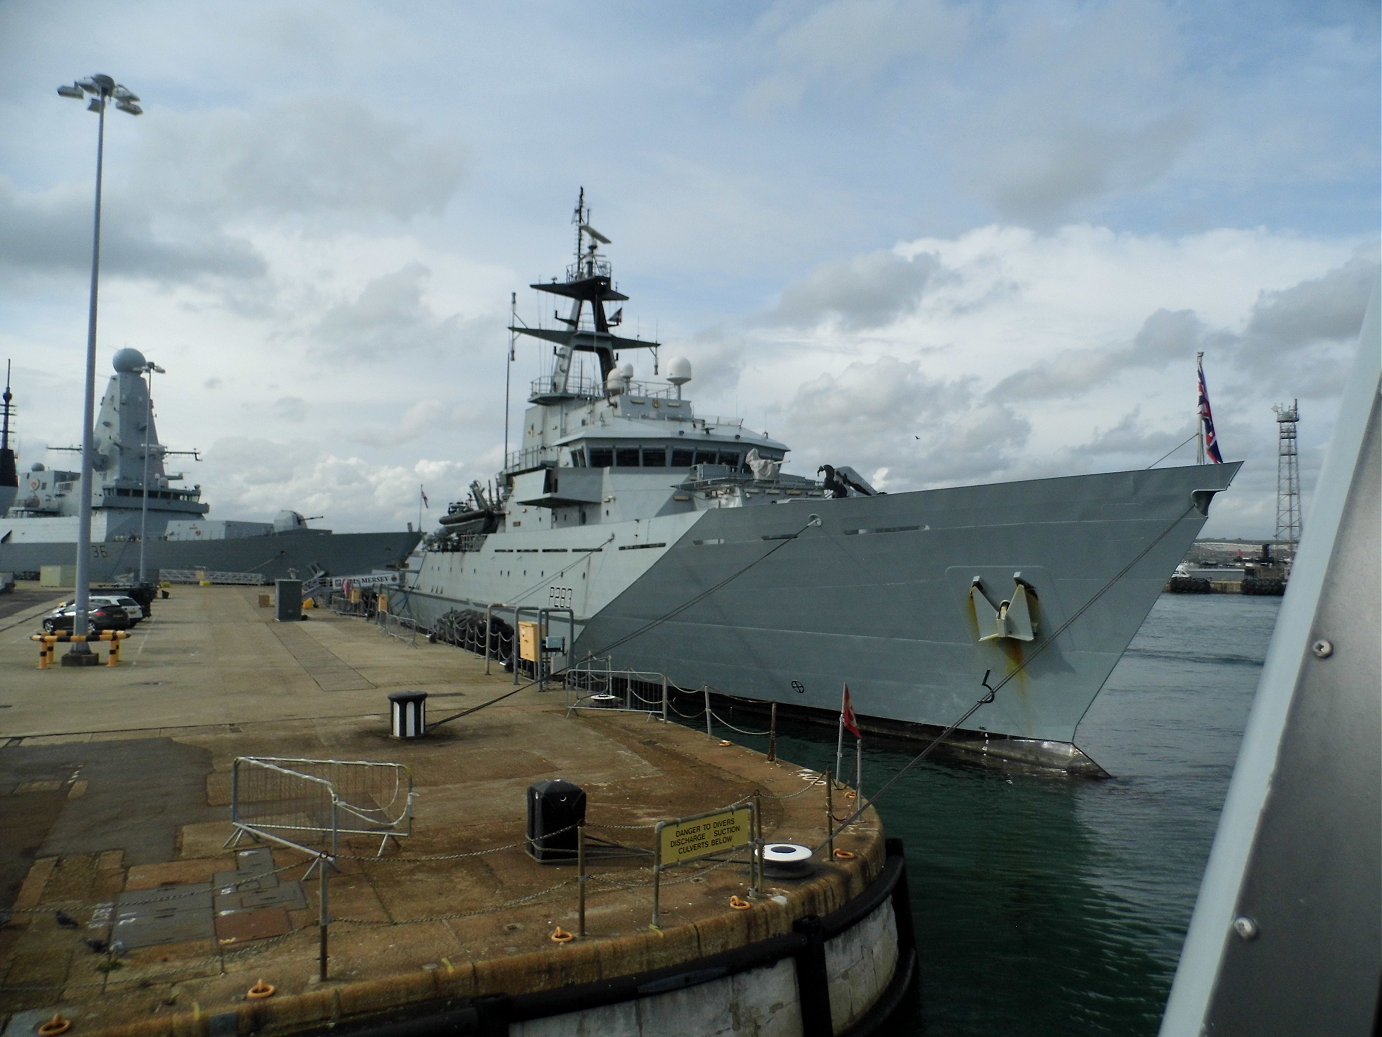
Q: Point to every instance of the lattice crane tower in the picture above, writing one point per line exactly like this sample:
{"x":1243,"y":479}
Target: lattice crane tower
{"x":1287,"y":474}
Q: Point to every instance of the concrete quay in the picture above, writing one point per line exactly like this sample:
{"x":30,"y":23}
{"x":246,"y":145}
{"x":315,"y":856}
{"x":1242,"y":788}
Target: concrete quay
{"x":126,"y":912}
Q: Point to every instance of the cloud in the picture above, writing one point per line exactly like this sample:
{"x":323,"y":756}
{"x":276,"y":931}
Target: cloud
{"x":845,"y":47}
{"x":865,"y":292}
{"x":887,"y":414}
{"x":388,"y":317}
{"x":311,"y":161}
{"x":1051,"y":169}
{"x":51,"y":232}
{"x":1164,"y":337}
{"x":1327,"y":307}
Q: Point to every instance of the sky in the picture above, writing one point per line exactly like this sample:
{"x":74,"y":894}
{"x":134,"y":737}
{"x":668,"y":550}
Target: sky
{"x":939,"y":242}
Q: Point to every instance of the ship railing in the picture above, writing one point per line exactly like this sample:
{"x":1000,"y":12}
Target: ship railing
{"x":448,"y":543}
{"x":588,"y":266}
{"x":707,"y":475}
{"x":585,"y":387}
{"x":594,"y":684}
{"x":579,"y":386}
{"x":209,"y":576}
{"x":530,"y":457}
{"x":307,"y":805}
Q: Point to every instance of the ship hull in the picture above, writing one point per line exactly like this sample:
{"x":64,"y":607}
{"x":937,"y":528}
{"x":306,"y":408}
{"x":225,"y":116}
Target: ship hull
{"x":272,"y":556}
{"x":789,"y":603}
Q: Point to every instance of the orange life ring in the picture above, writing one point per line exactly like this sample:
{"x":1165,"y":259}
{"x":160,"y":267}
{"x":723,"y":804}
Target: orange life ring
{"x":844,"y":855}
{"x":739,"y":903}
{"x":260,"y":991}
{"x":560,"y":935}
{"x":54,"y":1026}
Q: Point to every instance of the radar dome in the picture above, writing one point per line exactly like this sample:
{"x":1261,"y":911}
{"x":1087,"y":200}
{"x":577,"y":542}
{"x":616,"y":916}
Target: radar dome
{"x":129,"y":361}
{"x":679,"y":371}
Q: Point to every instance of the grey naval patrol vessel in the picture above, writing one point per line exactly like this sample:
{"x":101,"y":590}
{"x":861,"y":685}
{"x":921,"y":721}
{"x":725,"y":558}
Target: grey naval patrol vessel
{"x":656,"y":540}
{"x":39,"y":514}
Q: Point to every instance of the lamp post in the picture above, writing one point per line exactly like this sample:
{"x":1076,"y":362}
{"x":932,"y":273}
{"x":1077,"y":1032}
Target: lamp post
{"x":148,"y":370}
{"x":102,"y":89}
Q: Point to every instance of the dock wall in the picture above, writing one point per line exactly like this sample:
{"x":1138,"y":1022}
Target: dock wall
{"x":825,"y":978}
{"x":838,"y":975}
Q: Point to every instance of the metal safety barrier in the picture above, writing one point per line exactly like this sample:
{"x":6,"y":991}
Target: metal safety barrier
{"x":47,"y":644}
{"x":308,"y":805}
{"x":593,"y":683}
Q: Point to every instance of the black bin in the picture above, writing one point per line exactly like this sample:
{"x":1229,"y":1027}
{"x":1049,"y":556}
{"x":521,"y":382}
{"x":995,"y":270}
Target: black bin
{"x":555,"y":810}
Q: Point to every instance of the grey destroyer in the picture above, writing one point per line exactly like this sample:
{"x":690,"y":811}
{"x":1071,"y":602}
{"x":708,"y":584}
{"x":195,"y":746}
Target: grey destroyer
{"x":642,"y":534}
{"x":136,"y":502}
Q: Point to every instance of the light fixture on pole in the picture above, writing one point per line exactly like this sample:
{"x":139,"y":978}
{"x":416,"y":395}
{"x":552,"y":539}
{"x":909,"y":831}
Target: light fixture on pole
{"x":102,"y":89}
{"x":148,"y":371}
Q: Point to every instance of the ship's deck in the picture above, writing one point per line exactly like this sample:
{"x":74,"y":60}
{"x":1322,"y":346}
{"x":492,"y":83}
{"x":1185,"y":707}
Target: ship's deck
{"x":116,"y":786}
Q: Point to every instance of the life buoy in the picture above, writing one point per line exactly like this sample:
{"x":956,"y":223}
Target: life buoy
{"x":33,"y":484}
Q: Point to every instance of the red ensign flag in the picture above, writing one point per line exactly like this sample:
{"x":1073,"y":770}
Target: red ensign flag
{"x":847,"y":716}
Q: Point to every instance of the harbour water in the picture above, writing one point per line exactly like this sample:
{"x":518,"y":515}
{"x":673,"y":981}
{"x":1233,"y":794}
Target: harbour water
{"x":1048,"y":906}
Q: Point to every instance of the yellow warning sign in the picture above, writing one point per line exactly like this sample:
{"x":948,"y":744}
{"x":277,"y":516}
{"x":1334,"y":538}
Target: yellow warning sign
{"x":701,"y":836}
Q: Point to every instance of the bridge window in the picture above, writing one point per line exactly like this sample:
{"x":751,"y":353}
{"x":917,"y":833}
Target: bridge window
{"x":601,"y":456}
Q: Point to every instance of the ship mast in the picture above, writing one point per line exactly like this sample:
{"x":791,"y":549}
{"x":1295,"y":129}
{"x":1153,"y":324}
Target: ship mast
{"x":9,"y":471}
{"x":588,"y":284}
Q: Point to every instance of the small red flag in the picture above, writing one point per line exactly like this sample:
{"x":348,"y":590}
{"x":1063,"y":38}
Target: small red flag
{"x":847,"y":716}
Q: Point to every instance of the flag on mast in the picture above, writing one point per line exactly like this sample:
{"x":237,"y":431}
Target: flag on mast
{"x":423,"y":493}
{"x":847,"y":717}
{"x":1211,"y":442}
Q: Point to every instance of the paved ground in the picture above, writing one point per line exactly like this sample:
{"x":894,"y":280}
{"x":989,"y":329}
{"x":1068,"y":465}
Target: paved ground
{"x":115,"y":810}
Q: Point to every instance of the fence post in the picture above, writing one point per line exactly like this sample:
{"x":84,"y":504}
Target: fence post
{"x":830,"y":814}
{"x":324,"y":915}
{"x":580,"y":872}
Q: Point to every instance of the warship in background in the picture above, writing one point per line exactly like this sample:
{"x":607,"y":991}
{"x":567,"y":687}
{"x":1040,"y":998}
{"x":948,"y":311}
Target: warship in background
{"x":641,"y":537}
{"x":40,"y":511}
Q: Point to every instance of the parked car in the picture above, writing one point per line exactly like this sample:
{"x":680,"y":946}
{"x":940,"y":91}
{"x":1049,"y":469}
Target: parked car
{"x":131,"y":606}
{"x":99,"y":618}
